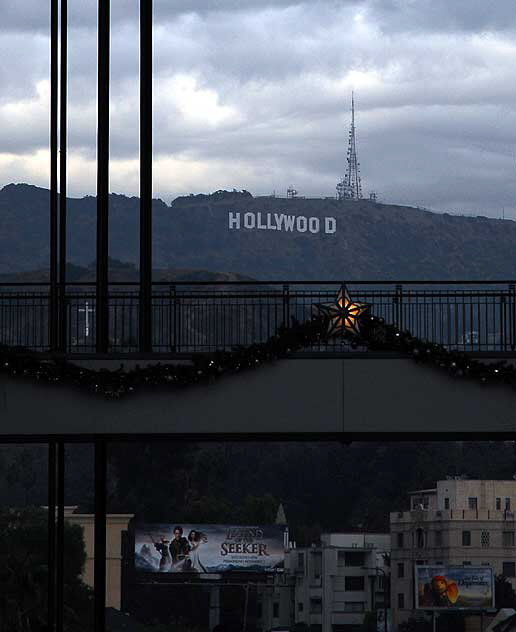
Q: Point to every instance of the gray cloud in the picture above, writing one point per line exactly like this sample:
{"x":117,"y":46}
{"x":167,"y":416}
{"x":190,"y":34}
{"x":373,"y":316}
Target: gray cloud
{"x":256,"y":94}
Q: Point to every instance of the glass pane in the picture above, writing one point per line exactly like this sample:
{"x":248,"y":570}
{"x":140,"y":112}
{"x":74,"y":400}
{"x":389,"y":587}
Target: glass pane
{"x":24,"y":138}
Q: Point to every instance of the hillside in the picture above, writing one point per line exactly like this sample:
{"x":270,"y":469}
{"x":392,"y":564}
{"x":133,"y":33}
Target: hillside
{"x":120,"y":271}
{"x":372,"y":240}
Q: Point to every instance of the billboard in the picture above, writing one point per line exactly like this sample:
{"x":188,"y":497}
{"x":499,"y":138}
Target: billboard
{"x":189,"y":548}
{"x":455,"y":587}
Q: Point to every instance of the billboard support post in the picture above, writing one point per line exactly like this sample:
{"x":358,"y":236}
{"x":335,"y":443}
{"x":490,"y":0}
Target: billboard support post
{"x":246,"y":606}
{"x":434,"y":621}
{"x":214,"y":606}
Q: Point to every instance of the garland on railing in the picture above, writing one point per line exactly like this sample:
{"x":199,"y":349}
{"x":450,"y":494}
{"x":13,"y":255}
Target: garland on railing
{"x":350,"y":320}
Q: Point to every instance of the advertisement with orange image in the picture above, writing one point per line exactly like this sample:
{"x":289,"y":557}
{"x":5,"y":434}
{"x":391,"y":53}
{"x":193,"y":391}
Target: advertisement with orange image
{"x":458,"y":587}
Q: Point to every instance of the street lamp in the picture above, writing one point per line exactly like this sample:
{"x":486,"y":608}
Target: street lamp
{"x":385,"y":592}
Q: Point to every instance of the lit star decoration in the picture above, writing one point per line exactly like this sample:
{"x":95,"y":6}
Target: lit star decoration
{"x":344,"y":314}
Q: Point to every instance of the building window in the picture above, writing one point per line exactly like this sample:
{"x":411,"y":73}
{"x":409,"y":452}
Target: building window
{"x":509,"y":569}
{"x":317,"y":564}
{"x":354,"y":559}
{"x":498,"y":504}
{"x":401,"y":569}
{"x":446,"y":503}
{"x":508,"y":538}
{"x":466,"y":538}
{"x":400,"y":540}
{"x":485,"y":539}
{"x":472,"y":502}
{"x":354,"y":583}
{"x":354,"y":606}
{"x":438,"y":538}
{"x":420,"y":538}
{"x":259,"y":611}
{"x":466,"y":563}
{"x":507,"y":504}
{"x":316,"y":605}
{"x":275,"y":610}
{"x":300,"y":560}
{"x":300,"y":606}
{"x":401,"y":600}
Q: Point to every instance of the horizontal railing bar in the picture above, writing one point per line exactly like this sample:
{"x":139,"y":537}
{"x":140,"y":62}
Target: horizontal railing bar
{"x":255,"y":282}
{"x":161,"y":356}
{"x":408,"y":294}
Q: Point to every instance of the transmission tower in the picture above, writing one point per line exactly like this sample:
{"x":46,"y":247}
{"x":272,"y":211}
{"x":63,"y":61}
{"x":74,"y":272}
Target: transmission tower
{"x":350,"y":187}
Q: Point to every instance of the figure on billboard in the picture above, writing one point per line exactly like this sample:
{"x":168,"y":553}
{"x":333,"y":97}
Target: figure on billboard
{"x":440,"y":593}
{"x":179,"y":549}
{"x":163,"y":549}
{"x":193,"y":563}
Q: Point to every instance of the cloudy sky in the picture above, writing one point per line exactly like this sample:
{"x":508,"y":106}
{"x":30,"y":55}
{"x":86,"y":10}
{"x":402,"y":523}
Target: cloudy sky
{"x":256,"y":95}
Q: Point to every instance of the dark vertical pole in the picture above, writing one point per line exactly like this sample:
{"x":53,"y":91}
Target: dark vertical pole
{"x":99,"y":581}
{"x":145,"y":175}
{"x":60,"y":538}
{"x":102,"y":306}
{"x":51,"y":536}
{"x":386,"y":591}
{"x":53,"y":321}
{"x":62,"y":176}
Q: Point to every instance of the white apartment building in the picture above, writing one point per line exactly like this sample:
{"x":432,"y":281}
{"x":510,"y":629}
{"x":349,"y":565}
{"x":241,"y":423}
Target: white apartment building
{"x":333,"y":585}
{"x":457,"y":523}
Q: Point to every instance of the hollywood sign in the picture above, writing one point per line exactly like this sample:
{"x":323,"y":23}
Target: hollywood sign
{"x":281,"y":221}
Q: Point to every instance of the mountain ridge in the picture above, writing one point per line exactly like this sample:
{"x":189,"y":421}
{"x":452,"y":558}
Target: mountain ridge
{"x":372,"y":240}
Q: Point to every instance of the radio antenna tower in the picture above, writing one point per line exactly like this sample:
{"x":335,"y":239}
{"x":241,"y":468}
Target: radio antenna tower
{"x":350,"y":187}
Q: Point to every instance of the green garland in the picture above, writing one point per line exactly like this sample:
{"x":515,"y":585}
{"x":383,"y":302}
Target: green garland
{"x":372,"y":334}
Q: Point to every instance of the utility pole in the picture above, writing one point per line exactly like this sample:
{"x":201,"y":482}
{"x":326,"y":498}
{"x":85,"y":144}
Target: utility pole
{"x":385,"y":592}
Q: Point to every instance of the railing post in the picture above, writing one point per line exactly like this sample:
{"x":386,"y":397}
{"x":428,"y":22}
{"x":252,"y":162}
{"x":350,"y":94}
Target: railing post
{"x":286,"y":305}
{"x":172,"y":330}
{"x":503,"y":317}
{"x":512,"y":315}
{"x":399,"y":304}
{"x":395,"y":309}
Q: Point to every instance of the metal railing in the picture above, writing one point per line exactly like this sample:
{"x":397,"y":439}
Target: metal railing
{"x":191,"y":317}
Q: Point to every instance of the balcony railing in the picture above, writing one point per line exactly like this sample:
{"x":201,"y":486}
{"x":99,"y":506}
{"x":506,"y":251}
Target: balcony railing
{"x":192,"y":317}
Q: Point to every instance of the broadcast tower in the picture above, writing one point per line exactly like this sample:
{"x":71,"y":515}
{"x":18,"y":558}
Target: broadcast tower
{"x":350,"y":187}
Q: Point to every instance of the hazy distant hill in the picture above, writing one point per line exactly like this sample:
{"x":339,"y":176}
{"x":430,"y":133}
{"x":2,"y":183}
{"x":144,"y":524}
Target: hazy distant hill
{"x":120,"y":271}
{"x":372,"y":240}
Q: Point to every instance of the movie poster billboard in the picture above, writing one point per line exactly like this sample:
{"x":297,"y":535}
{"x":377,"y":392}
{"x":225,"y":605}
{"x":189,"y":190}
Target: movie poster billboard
{"x":454,"y":587}
{"x":190,"y":548}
